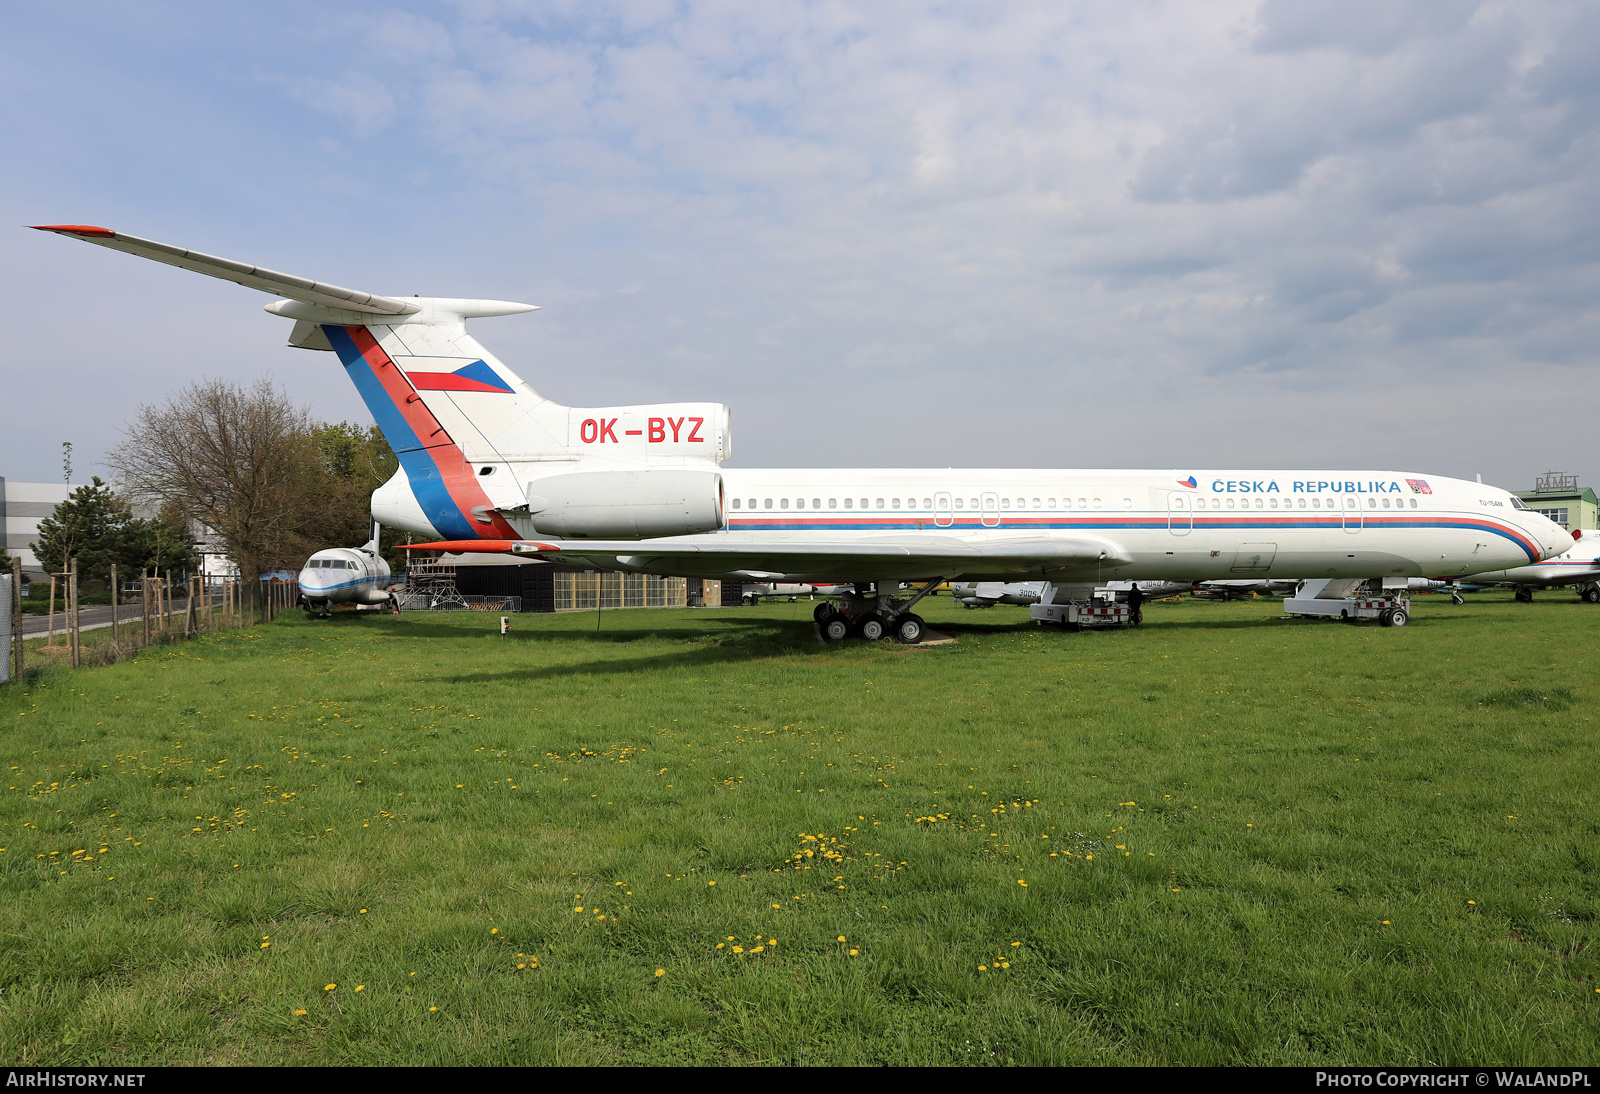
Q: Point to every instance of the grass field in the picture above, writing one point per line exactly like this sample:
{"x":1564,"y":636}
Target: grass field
{"x":699,"y":836}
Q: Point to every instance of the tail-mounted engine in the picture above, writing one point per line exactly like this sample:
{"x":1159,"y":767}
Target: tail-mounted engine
{"x":623,"y":504}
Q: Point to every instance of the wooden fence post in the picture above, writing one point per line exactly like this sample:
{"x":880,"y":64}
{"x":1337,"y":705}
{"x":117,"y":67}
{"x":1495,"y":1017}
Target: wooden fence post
{"x":16,"y":614}
{"x":72,"y":610}
{"x":114,"y":605}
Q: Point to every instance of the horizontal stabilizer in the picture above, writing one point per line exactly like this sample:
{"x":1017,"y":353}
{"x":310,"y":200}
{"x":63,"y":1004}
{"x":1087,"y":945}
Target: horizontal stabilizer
{"x":240,"y":273}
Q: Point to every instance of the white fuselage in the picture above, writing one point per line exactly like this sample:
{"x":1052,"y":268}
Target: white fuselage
{"x":1230,"y":524}
{"x":343,"y":575}
{"x":1579,"y":566}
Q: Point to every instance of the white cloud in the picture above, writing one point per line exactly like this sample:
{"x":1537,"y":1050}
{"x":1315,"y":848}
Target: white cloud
{"x":1175,"y":232}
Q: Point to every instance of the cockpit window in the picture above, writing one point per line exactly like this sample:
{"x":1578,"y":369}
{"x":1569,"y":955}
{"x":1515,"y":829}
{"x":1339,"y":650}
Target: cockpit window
{"x":1516,"y":502}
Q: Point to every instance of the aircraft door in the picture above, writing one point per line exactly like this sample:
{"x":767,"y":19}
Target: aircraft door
{"x":1180,"y":513}
{"x":1254,"y":558}
{"x":943,"y":515}
{"x":1353,"y":516}
{"x":991,"y":510}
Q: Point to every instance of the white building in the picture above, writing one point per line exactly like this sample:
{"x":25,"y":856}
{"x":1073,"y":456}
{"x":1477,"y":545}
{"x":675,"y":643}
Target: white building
{"x":25,"y":504}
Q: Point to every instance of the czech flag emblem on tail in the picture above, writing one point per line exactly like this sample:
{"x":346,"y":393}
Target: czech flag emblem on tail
{"x":1189,"y":482}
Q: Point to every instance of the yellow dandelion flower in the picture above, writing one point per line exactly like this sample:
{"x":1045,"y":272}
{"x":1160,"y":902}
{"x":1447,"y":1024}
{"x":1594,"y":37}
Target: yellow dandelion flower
{"x":738,"y":949}
{"x":721,"y":944}
{"x":264,"y":945}
{"x":299,"y":1012}
{"x":363,"y":911}
{"x":1016,"y":943}
{"x":854,"y":952}
{"x":432,"y":1009}
{"x":1005,"y":964}
{"x":494,"y":930}
{"x":330,"y":987}
{"x":983,"y":968}
{"x":841,"y":938}
{"x":661,"y":972}
{"x":757,"y":949}
{"x":361,"y":987}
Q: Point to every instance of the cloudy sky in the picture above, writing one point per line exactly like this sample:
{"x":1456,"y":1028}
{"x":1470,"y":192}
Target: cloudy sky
{"x":1188,"y":234}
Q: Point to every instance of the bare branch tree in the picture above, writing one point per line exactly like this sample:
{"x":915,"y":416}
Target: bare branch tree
{"x":238,"y":460}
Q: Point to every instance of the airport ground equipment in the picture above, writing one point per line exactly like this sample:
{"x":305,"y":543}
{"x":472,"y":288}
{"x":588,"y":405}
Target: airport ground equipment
{"x":1075,"y":607}
{"x":873,"y":612}
{"x":1351,"y":599}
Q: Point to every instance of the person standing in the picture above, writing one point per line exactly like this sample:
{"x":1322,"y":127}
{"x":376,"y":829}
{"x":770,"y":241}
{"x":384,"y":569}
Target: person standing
{"x":1136,"y":604}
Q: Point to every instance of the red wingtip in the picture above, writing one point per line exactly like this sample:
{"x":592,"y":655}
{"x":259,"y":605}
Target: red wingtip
{"x":75,"y":230}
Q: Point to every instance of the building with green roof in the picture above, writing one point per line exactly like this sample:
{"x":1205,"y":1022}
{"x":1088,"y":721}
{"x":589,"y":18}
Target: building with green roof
{"x":1558,"y":496}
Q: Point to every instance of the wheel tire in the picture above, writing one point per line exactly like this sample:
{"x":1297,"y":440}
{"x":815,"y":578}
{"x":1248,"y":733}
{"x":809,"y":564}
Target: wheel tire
{"x":1524,"y":595}
{"x":821,"y":612}
{"x":1457,"y":598}
{"x":1386,"y":618}
{"x":871,"y":628}
{"x":1591,"y":596}
{"x":909,"y":628}
{"x":1398,"y":617}
{"x":835,"y":628}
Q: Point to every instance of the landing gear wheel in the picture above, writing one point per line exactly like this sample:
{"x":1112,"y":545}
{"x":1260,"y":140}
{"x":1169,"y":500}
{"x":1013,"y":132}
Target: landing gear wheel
{"x":821,"y":612}
{"x":908,"y":629}
{"x":872,"y":628}
{"x":836,"y":628}
{"x":1591,"y":596}
{"x":1524,"y":594}
{"x":1458,"y":599}
{"x":1394,"y":617}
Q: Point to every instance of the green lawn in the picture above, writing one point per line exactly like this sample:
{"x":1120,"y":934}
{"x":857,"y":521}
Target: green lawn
{"x":699,"y":836}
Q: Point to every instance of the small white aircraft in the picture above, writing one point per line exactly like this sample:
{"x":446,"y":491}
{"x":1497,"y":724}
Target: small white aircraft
{"x":1579,"y":567}
{"x":986,"y":594}
{"x":793,"y":590}
{"x":346,"y":575}
{"x":488,"y":464}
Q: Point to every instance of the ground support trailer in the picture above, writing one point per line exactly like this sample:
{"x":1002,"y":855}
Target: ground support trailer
{"x":1352,"y":600}
{"x":1078,"y":606}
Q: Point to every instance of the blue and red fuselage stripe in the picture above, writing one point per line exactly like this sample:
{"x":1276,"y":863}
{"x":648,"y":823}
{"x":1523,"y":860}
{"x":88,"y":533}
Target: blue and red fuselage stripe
{"x":441,"y":478}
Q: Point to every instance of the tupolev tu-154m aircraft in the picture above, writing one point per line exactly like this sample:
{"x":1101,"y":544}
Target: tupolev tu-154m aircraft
{"x":488,"y":464}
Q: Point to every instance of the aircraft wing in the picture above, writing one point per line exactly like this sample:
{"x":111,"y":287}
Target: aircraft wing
{"x":241,"y":273}
{"x":903,"y":557}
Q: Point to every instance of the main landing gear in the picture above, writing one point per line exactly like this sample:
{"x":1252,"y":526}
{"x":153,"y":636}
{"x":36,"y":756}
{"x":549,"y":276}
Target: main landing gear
{"x":873,"y":615}
{"x":1524,"y":594}
{"x":1591,"y":595}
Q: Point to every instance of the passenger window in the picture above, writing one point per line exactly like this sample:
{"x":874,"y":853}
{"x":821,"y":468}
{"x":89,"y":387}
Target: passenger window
{"x":880,"y":503}
{"x":960,"y":504}
{"x":1005,"y":503}
{"x":1052,"y":502}
{"x":863,"y":503}
{"x":1082,"y":504}
{"x":1302,"y":503}
{"x":1097,"y":503}
{"x":816,"y":503}
{"x":1066,"y":503}
{"x":751,"y":504}
{"x":1385,"y":502}
{"x":1413,"y":503}
{"x":1230,"y":503}
{"x":833,"y":503}
{"x":736,"y":503}
{"x":1274,"y":503}
{"x":783,"y":503}
{"x":768,"y":503}
{"x":847,"y":502}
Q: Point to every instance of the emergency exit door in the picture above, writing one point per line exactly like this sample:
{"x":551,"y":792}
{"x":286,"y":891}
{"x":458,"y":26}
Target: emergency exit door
{"x":1180,"y":513}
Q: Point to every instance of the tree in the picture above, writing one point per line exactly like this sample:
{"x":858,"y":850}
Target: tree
{"x":241,"y":461}
{"x":97,"y":527}
{"x":353,"y":462}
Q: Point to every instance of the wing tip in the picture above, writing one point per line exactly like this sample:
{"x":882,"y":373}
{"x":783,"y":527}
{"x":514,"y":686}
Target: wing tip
{"x":75,"y":230}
